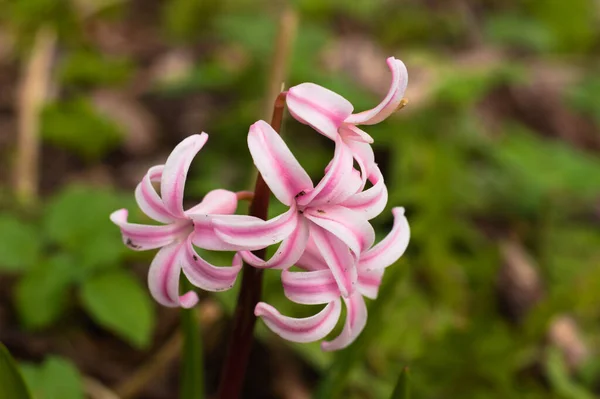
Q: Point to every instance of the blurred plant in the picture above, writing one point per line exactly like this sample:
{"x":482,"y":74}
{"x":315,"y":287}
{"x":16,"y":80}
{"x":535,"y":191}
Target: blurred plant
{"x":56,"y":377}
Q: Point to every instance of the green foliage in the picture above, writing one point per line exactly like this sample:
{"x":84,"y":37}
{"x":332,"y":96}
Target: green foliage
{"x":18,"y":246}
{"x":12,"y":385}
{"x":402,"y":389}
{"x":87,"y":68}
{"x":78,"y":127}
{"x":192,"y":375}
{"x":184,"y":19}
{"x":519,"y":32}
{"x":42,"y":295}
{"x":118,"y":302}
{"x":54,"y":378}
{"x":560,"y":380}
{"x":584,"y":96}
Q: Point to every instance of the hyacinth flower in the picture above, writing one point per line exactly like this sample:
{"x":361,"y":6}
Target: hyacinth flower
{"x":335,"y":213}
{"x":317,"y":285}
{"x":332,"y":115}
{"x":177,"y":237}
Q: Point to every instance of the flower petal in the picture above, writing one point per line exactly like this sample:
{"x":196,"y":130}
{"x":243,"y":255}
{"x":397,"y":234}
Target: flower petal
{"x":391,"y":101}
{"x":356,"y":319}
{"x":391,"y":248}
{"x":204,"y":235}
{"x":148,"y":199}
{"x":207,"y":276}
{"x":253,"y":232}
{"x":334,"y":186}
{"x":288,"y":252}
{"x":311,"y":258}
{"x":369,"y":282}
{"x":318,"y":107}
{"x":310,"y":288}
{"x":223,"y":202}
{"x":175,"y":172}
{"x":338,"y":259}
{"x":307,"y":329}
{"x":364,"y":156}
{"x":163,"y":278}
{"x":349,"y":226}
{"x":141,"y":237}
{"x":276,"y":163}
{"x":352,"y":133}
{"x":371,"y":202}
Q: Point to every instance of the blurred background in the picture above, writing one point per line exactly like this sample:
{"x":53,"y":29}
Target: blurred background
{"x":496,"y":159}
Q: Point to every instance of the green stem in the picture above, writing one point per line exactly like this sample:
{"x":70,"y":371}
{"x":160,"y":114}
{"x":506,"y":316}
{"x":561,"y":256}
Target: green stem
{"x":192,"y":371}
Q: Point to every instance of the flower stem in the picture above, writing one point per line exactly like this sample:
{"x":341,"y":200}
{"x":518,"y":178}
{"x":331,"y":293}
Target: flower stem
{"x":192,"y":373}
{"x":240,"y":343}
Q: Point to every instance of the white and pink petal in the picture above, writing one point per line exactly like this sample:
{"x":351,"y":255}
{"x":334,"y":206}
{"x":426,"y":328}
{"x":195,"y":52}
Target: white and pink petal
{"x":356,"y":319}
{"x":391,"y":248}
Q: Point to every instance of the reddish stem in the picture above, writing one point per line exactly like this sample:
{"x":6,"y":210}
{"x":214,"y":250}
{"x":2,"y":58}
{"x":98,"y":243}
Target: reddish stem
{"x":240,"y":342}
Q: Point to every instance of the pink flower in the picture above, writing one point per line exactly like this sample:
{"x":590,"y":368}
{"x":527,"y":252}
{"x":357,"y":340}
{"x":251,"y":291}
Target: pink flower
{"x":317,"y":285}
{"x":331,"y":114}
{"x":177,"y":237}
{"x":335,"y":212}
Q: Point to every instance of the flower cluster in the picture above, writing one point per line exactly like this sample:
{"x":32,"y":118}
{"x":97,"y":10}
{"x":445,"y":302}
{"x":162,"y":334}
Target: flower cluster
{"x":326,"y":231}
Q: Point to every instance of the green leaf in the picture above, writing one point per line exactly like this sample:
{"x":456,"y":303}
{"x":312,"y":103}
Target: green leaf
{"x":77,"y":218}
{"x":12,"y":384}
{"x":42,"y":295}
{"x":118,"y":302}
{"x":20,"y":244}
{"x":55,"y":378}
{"x":560,"y":380}
{"x":192,"y":375}
{"x":402,"y":390}
{"x":76,"y":126}
{"x":90,"y":68}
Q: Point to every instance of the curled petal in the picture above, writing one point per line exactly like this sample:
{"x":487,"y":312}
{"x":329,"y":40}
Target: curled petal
{"x":250,"y":231}
{"x":364,"y":156}
{"x":371,"y":202}
{"x":338,"y":259}
{"x":352,"y":133}
{"x":311,"y":258}
{"x":307,"y":329}
{"x":207,"y":276}
{"x":349,"y":226}
{"x":148,"y":199}
{"x":141,"y":237}
{"x":356,"y":319}
{"x":204,"y":236}
{"x":391,"y":248}
{"x":288,"y":252}
{"x":163,"y":278}
{"x":276,"y":163}
{"x":318,"y":107}
{"x":369,"y":282}
{"x":175,"y":172}
{"x":216,"y":202}
{"x":391,"y":101}
{"x":334,"y":186}
{"x":310,"y":288}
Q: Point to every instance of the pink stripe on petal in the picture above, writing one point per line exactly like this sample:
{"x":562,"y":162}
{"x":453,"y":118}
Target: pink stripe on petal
{"x":338,"y":259}
{"x":148,"y":199}
{"x":310,"y":288}
{"x":215,"y":202}
{"x":311,"y":258}
{"x":307,"y":329}
{"x":349,"y":226}
{"x":204,"y":236}
{"x":254,"y":232}
{"x":352,"y":133}
{"x":391,"y":248}
{"x":356,"y":319}
{"x":276,"y":163}
{"x":364,"y":156}
{"x":288,"y":252}
{"x":369,"y":282}
{"x":334,"y":185}
{"x":175,"y":172}
{"x":207,"y":276}
{"x":141,"y":237}
{"x":163,"y":277}
{"x":390,"y":102}
{"x":318,"y":107}
{"x":371,"y":202}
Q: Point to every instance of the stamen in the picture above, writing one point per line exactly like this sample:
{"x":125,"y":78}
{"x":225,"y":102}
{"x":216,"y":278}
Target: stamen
{"x":402,"y":104}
